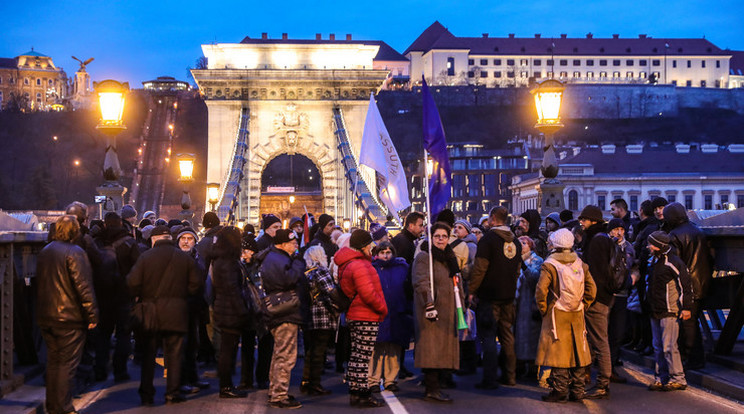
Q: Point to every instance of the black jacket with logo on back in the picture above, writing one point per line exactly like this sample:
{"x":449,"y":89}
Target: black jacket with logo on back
{"x":497,"y":266}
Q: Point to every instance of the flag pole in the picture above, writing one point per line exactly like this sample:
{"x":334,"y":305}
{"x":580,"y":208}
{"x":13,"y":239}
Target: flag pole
{"x":428,"y":224}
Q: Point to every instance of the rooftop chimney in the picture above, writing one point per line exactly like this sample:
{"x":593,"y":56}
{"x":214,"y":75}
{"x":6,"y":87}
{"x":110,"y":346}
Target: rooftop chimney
{"x":563,"y":35}
{"x":284,"y":36}
{"x":348,"y":36}
{"x":537,"y":35}
{"x":264,"y":36}
{"x":589,"y":35}
{"x":332,"y":36}
{"x":485,"y":35}
{"x":616,"y":36}
{"x":641,"y":36}
{"x":318,"y":36}
{"x":511,"y":35}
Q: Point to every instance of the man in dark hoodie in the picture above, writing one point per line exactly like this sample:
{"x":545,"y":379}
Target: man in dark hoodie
{"x":597,"y":247}
{"x":540,"y":238}
{"x":322,"y":238}
{"x":692,"y":248}
{"x":493,"y":281}
{"x":211,"y":224}
{"x":118,"y":251}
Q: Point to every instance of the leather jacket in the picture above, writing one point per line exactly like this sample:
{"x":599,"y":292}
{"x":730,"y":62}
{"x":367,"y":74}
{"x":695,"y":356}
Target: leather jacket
{"x":690,"y":243}
{"x":65,"y":287}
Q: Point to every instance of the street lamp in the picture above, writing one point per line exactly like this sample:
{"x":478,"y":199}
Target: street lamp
{"x":548,"y":97}
{"x":111,"y":98}
{"x":186,"y":168}
{"x":291,"y":199}
{"x":213,"y":194}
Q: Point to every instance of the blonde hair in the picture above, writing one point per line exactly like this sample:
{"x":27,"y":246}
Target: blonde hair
{"x":316,"y":256}
{"x":66,"y":228}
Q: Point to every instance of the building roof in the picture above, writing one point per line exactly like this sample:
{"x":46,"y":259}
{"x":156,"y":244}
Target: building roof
{"x":385,"y":52}
{"x":8,"y":63}
{"x":736,"y":64}
{"x":438,"y":37}
{"x":33,"y":53}
{"x":664,"y":159}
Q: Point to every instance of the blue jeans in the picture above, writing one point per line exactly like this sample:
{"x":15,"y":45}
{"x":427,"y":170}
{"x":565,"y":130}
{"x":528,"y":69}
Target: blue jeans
{"x":668,"y":362}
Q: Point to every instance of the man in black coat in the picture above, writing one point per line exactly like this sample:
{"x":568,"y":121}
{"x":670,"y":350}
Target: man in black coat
{"x":270,"y":225}
{"x":211,"y":224}
{"x":493,"y":280}
{"x":166,"y":276}
{"x":619,"y":209}
{"x":597,"y":248}
{"x":326,"y":224}
{"x":405,"y":241}
{"x":118,"y":251}
{"x":648,"y":224}
{"x":691,"y":246}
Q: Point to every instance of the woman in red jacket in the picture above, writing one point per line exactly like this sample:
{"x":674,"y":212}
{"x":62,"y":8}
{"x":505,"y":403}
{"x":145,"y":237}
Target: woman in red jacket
{"x":360,"y":282}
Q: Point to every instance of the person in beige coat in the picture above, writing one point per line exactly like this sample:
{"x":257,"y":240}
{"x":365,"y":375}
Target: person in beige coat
{"x":564,"y":290}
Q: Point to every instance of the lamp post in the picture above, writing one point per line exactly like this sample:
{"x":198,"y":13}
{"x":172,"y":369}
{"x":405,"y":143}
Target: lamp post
{"x":111,"y":103}
{"x":548,"y":98}
{"x":213,"y":194}
{"x":186,"y":168}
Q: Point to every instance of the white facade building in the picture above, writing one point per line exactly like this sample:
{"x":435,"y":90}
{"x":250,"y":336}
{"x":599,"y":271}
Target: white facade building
{"x":512,"y":61}
{"x":703,"y":176}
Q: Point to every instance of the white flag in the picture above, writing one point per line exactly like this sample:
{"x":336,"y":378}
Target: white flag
{"x":378,"y":153}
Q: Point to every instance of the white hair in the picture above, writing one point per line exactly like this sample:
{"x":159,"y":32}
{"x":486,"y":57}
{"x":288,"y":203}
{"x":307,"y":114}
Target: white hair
{"x":315,"y":256}
{"x":343,"y":240}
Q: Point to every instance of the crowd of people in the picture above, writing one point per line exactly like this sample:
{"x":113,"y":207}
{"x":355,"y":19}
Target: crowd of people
{"x":547,"y":301}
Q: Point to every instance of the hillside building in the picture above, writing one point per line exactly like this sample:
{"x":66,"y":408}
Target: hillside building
{"x":32,"y":81}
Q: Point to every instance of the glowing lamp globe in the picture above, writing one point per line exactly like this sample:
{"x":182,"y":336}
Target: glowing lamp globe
{"x":548,"y":98}
{"x":111,"y":103}
{"x":213,"y":193}
{"x":186,"y":167}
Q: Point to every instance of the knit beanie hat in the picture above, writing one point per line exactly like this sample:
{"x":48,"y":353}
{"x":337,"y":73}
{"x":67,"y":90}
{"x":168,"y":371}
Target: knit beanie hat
{"x":446,"y":216}
{"x":283,"y":236}
{"x":147,"y":231}
{"x":268,"y":220}
{"x":294,"y":221}
{"x":174,"y":222}
{"x":615,"y":223}
{"x":360,"y":239}
{"x":379,"y":233}
{"x":187,"y":230}
{"x":249,"y":243}
{"x":659,"y":239}
{"x":143,"y":223}
{"x":555,"y":217}
{"x":659,"y":202}
{"x":150,"y":215}
{"x":161,"y":230}
{"x":592,"y":213}
{"x":465,"y":224}
{"x":566,"y":216}
{"x":323,"y":221}
{"x":128,"y":212}
{"x":210,"y":220}
{"x":561,"y":239}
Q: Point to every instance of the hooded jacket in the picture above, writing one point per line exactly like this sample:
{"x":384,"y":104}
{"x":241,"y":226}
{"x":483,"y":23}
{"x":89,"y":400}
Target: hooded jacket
{"x":668,"y":285}
{"x":689,"y":242}
{"x":497,"y":265}
{"x":597,"y":249}
{"x":538,"y":237}
{"x":360,"y":282}
{"x":282,"y":273}
{"x":397,"y":325}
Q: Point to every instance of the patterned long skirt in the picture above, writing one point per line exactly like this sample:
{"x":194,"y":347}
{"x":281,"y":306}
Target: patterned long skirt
{"x":363,"y":338}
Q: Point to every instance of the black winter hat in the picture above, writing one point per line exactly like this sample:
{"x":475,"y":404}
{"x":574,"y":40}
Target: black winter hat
{"x":566,"y":216}
{"x":210,"y":220}
{"x":592,"y":213}
{"x":659,"y":239}
{"x":174,"y":222}
{"x":268,"y":220}
{"x":160,"y":231}
{"x":284,"y":236}
{"x":659,"y":202}
{"x":360,"y":239}
{"x":249,"y":243}
{"x":323,"y":220}
{"x":446,"y":216}
{"x":615,"y":223}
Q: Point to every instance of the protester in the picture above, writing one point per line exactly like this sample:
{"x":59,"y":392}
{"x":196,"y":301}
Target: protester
{"x":437,"y":346}
{"x":690,"y":245}
{"x":669,"y":284}
{"x":596,"y":249}
{"x":128,"y":213}
{"x":360,"y":282}
{"x":538,"y":236}
{"x":527,"y":327}
{"x":322,"y":323}
{"x":211,"y":224}
{"x":493,"y":281}
{"x":462,"y":232}
{"x":619,"y":210}
{"x":269,"y":225}
{"x":281,"y":272}
{"x":322,"y":237}
{"x":618,"y":318}
{"x":394,"y":333}
{"x":164,"y":276}
{"x":477,"y":231}
{"x":565,"y":289}
{"x":552,"y":222}
{"x":404,"y":242}
{"x":648,"y":224}
{"x":567,"y":218}
{"x":66,"y":309}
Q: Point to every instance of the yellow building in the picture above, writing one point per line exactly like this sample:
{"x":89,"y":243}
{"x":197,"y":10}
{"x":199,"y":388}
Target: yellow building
{"x":31,"y":81}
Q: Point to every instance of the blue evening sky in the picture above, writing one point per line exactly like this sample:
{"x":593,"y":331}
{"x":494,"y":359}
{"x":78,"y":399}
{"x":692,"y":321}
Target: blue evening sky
{"x":138,"y":40}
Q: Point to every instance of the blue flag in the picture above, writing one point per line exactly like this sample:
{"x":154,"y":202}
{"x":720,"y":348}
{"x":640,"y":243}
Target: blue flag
{"x":440,"y":185}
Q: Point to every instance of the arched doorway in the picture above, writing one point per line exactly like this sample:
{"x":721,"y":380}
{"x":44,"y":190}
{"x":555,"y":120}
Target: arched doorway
{"x":289,"y":184}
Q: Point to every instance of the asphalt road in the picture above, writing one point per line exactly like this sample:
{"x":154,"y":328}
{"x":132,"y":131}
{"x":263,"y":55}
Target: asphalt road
{"x":632,"y":397}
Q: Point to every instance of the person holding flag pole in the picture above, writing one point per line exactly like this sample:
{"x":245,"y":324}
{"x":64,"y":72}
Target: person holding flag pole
{"x":435,"y":272}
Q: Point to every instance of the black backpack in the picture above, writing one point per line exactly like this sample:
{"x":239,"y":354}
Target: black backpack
{"x":618,"y":268}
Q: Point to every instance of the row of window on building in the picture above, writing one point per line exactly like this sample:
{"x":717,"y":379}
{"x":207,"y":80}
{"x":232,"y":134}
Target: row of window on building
{"x":28,"y":81}
{"x":26,"y":95}
{"x":586,"y":62}
{"x":688,"y":200}
{"x":491,"y":163}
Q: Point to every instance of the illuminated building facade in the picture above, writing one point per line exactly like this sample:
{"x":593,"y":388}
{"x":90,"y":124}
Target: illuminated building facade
{"x":31,"y":81}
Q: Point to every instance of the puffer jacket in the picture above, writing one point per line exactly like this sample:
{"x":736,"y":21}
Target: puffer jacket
{"x":282,"y":273}
{"x":689,"y":242}
{"x":65,"y":287}
{"x":669,"y":285}
{"x":359,"y":281}
{"x":398,"y":324}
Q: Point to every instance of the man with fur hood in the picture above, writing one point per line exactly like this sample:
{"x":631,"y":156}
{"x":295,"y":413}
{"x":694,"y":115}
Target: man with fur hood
{"x":493,"y":281}
{"x":692,"y":248}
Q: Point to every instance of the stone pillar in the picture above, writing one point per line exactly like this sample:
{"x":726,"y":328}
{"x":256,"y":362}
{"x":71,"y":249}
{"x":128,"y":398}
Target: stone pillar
{"x":114,"y":193}
{"x":550,"y":197}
